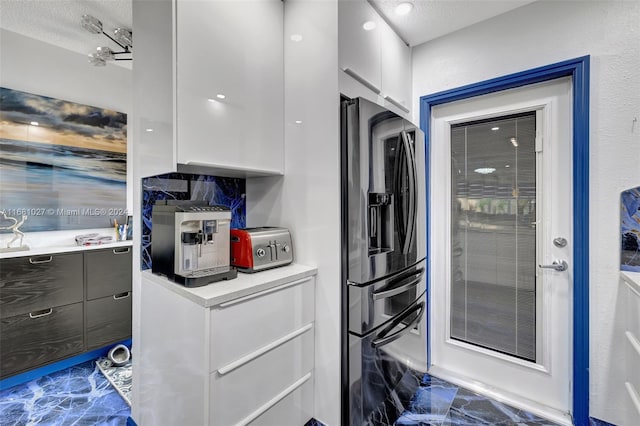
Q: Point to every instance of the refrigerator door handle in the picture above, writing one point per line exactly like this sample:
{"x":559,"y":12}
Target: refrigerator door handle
{"x":385,"y":340}
{"x":403,"y":285}
{"x":411,"y":214}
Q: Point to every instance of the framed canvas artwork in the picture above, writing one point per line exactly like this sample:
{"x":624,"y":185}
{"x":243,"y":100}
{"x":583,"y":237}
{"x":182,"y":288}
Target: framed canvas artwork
{"x":63,"y":165}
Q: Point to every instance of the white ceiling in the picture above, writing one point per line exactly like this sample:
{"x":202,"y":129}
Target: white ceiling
{"x":431,"y":19}
{"x":58,"y":21}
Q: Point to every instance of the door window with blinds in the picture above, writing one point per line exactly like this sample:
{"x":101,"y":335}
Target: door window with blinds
{"x":493,"y":234}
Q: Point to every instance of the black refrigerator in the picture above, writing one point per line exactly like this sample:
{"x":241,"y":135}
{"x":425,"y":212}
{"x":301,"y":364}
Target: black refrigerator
{"x":383,"y":262}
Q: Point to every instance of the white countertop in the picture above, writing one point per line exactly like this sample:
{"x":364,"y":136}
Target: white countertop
{"x":632,"y":279}
{"x":244,"y":285}
{"x":60,"y":242}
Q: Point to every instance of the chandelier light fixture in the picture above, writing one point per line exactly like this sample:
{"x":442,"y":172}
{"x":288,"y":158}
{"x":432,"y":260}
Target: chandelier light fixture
{"x":121,"y":36}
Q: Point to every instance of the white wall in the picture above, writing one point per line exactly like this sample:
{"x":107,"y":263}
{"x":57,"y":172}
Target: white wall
{"x":36,"y":67}
{"x":540,"y":34}
{"x":307,"y":198}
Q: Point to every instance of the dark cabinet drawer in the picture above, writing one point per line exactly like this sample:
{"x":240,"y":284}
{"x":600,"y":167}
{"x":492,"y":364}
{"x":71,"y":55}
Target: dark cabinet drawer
{"x":33,"y":283}
{"x":38,"y":338}
{"x":108,"y":320}
{"x":108,"y":272}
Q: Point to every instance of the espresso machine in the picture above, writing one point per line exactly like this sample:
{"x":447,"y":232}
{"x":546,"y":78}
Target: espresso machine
{"x":190,"y":242}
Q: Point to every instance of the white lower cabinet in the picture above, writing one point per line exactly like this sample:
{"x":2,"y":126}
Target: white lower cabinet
{"x":245,"y":393}
{"x":630,"y":286}
{"x":245,"y":360}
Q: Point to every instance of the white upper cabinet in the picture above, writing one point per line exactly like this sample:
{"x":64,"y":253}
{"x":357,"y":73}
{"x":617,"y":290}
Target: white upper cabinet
{"x":154,"y":88}
{"x":230,"y":85}
{"x":396,"y":69}
{"x":359,"y":42}
{"x":372,"y":54}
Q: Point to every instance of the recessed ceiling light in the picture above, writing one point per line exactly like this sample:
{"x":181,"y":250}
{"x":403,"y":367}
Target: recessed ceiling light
{"x":514,"y":142}
{"x":149,"y":130}
{"x":296,"y":37}
{"x":34,"y":123}
{"x":220,"y":96}
{"x":495,"y":128}
{"x":507,"y":165}
{"x":403,"y":8}
{"x":298,"y":122}
{"x":485,"y":170}
{"x":369,"y":25}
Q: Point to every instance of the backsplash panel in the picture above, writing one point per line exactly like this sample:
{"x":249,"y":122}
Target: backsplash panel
{"x":630,"y":230}
{"x":230,"y":192}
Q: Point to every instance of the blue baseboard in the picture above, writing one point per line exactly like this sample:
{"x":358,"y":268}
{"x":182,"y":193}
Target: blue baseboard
{"x":36,"y":373}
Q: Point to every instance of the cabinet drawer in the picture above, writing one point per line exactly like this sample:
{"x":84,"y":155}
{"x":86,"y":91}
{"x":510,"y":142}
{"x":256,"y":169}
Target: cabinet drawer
{"x":632,"y":356}
{"x":108,"y":320}
{"x":238,"y":393}
{"x":243,"y":325}
{"x":30,"y":284}
{"x":296,"y":408}
{"x":633,"y":311}
{"x":108,"y":272}
{"x":31,"y":340}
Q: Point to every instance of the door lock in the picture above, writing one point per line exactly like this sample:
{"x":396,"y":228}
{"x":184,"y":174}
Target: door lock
{"x":560,"y":242}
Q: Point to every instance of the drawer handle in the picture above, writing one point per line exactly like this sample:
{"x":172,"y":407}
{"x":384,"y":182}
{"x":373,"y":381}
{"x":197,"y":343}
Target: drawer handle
{"x":263,"y":293}
{"x":40,"y":260}
{"x":263,"y":350}
{"x":261,"y":410}
{"x":121,"y":295}
{"x":40,"y":314}
{"x":121,"y":251}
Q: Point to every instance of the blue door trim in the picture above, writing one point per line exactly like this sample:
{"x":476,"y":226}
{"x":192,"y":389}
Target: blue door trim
{"x":578,"y":69}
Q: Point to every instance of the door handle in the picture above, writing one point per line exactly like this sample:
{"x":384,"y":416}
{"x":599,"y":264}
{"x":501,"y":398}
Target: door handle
{"x":413,"y":193}
{"x":558,"y":265}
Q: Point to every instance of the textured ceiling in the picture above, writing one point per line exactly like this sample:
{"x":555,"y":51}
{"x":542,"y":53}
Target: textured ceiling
{"x":431,"y":19}
{"x":57,"y":22}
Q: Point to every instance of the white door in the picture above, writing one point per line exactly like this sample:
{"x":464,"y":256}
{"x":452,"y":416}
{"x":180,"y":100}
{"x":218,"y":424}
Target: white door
{"x":501,"y":215}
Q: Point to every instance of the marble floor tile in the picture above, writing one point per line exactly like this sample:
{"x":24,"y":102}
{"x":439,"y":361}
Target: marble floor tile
{"x":79,"y":395}
{"x":441,"y":403}
{"x":471,"y":408}
{"x":598,"y":422}
{"x":430,"y":404}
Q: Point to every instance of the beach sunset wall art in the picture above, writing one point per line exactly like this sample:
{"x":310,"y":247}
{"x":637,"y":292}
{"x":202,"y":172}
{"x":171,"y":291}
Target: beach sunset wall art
{"x":62,"y":164}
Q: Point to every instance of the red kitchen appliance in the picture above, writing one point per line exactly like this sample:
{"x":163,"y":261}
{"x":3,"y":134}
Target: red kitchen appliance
{"x":256,"y":249}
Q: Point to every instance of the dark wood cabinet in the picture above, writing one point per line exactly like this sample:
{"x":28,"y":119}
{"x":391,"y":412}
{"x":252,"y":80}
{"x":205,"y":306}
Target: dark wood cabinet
{"x":107,"y":272}
{"x":34,"y":339}
{"x":34,"y":283}
{"x":108,"y":319}
{"x":63,"y":304}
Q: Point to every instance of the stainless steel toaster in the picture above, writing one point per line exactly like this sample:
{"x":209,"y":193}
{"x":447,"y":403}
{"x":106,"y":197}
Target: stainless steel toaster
{"x":256,"y":249}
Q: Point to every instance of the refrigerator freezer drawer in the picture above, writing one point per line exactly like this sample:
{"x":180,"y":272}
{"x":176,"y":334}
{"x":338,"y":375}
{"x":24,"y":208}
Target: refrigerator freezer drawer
{"x":374,"y":304}
{"x":387,"y":366}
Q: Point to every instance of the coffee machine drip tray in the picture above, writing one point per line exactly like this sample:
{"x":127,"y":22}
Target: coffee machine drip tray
{"x":206,"y":276}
